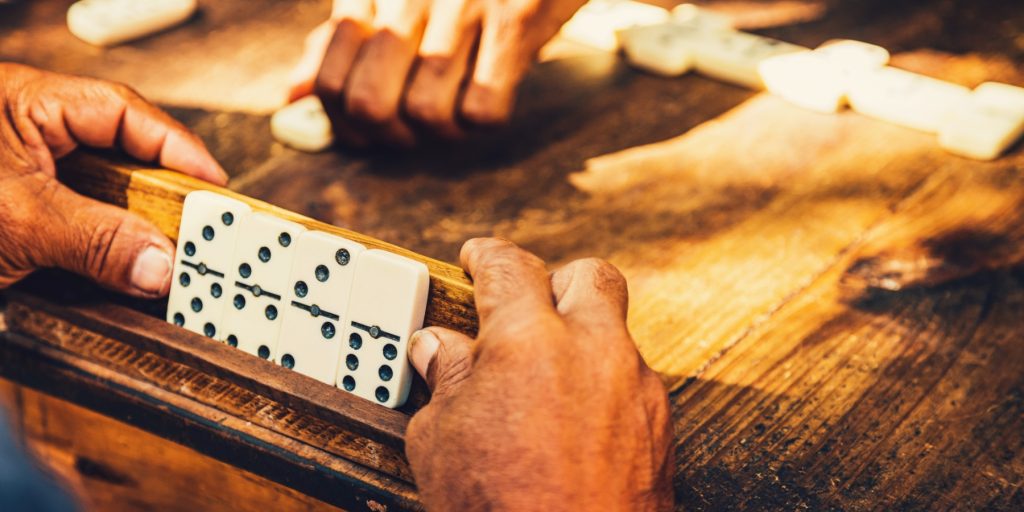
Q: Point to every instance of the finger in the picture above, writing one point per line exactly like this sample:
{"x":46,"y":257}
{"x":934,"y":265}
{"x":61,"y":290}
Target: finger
{"x":450,"y":36}
{"x":381,"y":71}
{"x":302,"y":78}
{"x":104,"y":114}
{"x":510,"y":284}
{"x":444,"y":358}
{"x":112,"y":246}
{"x":339,"y":57}
{"x":592,"y":293}
{"x":500,"y":64}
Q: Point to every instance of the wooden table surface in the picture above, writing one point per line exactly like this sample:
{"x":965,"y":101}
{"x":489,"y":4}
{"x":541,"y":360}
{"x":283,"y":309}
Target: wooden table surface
{"x":836,"y":304}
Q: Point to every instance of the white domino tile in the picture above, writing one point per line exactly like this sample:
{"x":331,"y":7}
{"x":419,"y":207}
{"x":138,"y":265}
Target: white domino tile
{"x":387,"y":304}
{"x":109,"y":22}
{"x":597,"y":22}
{"x":735,"y":57}
{"x":987,"y":125}
{"x":259,"y":275}
{"x":665,"y":49}
{"x":201,"y":288}
{"x":906,"y":99}
{"x":820,"y":80}
{"x":303,"y":125}
{"x":317,"y":302}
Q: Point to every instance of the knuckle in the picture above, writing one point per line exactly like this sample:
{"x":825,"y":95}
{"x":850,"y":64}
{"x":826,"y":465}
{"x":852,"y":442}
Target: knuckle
{"x":121,"y":90}
{"x":366,"y":104}
{"x":421,"y":107}
{"x":605,"y":275}
{"x":98,"y":243}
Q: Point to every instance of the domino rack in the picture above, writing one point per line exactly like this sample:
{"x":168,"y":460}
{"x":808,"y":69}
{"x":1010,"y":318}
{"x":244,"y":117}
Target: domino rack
{"x":108,"y":353}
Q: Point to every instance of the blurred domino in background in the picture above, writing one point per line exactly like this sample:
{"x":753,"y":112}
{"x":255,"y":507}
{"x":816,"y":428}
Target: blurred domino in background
{"x":986,"y":125}
{"x":596,"y":23}
{"x":303,"y":125}
{"x":820,"y":80}
{"x":110,"y":22}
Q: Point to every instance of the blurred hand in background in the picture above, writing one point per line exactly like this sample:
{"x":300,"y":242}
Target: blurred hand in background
{"x":393,"y":71}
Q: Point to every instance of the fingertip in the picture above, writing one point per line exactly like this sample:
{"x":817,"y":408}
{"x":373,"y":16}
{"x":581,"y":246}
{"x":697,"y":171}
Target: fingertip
{"x":186,"y":153}
{"x":423,"y":346}
{"x":151,"y":272}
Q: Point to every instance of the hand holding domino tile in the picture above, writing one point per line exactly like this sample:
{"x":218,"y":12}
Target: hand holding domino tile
{"x":45,"y":224}
{"x":554,"y":374}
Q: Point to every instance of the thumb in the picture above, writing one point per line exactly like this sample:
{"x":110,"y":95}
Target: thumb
{"x":444,"y":358}
{"x":112,"y":246}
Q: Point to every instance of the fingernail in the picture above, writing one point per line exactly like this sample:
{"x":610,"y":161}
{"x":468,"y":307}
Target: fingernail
{"x":152,"y":270}
{"x":422,"y":349}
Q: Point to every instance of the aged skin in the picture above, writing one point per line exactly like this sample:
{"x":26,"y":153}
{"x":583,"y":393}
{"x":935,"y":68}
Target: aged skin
{"x":393,"y":71}
{"x":551,"y":407}
{"x":45,"y":224}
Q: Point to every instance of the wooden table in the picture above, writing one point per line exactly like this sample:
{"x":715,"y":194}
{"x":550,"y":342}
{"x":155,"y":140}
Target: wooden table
{"x":836,"y":304}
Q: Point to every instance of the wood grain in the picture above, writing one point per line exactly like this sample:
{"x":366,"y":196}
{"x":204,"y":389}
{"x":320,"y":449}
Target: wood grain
{"x":138,"y":346}
{"x":157,"y":195}
{"x":287,"y":453}
{"x":112,"y":466}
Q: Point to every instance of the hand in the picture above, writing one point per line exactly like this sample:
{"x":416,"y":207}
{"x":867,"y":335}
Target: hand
{"x":551,"y":407}
{"x":385,"y":67}
{"x":45,"y":224}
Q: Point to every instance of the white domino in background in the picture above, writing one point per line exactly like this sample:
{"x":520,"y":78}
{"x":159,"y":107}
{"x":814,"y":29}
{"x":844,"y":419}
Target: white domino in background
{"x":109,"y":22}
{"x":735,"y":57}
{"x":819,"y":80}
{"x":261,"y":264}
{"x":986,"y":125}
{"x":303,"y":125}
{"x":201,"y":286}
{"x":596,"y":23}
{"x":316,"y":304}
{"x":665,"y":49}
{"x":906,"y":99}
{"x":388,"y":301}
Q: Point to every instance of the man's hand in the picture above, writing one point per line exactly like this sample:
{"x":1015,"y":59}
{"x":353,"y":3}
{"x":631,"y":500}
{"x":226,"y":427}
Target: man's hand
{"x":551,"y":407}
{"x":385,"y":68}
{"x":45,"y":224}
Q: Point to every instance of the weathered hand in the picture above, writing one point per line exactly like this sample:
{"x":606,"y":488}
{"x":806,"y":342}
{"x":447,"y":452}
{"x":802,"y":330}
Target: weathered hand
{"x":384,"y":68}
{"x":45,"y":224}
{"x":551,"y":407}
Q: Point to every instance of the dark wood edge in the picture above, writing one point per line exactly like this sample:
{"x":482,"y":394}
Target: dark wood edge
{"x":234,"y":441}
{"x":157,"y":195}
{"x":252,"y":373}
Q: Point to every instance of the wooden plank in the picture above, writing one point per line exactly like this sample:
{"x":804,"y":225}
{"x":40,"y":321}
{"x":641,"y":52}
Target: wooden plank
{"x":857,"y":397}
{"x":230,"y":439}
{"x":114,"y":466}
{"x":157,"y":196}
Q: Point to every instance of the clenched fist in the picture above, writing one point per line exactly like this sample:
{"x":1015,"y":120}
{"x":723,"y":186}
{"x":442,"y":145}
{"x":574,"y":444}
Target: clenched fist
{"x":551,"y":407}
{"x":45,"y":224}
{"x":391,"y":70}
